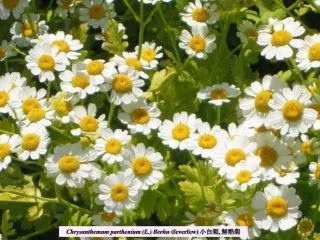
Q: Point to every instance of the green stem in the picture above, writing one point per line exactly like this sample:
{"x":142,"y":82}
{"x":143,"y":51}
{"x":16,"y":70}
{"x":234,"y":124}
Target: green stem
{"x":48,"y":90}
{"x":148,"y":19}
{"x":62,"y":133}
{"x":294,"y":5}
{"x":6,"y":65}
{"x":111,"y":111}
{"x":53,"y":200}
{"x":218,"y":115}
{"x":278,"y":236}
{"x":135,"y":15}
{"x":50,"y":5}
{"x":194,"y":161}
{"x":231,"y":53}
{"x":34,"y":34}
{"x":39,"y":232}
{"x":141,"y":30}
{"x":311,"y":2}
{"x":17,"y":50}
{"x":6,"y":132}
{"x":316,"y":214}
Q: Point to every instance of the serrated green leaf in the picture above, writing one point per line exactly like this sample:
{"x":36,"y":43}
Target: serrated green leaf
{"x":193,"y":194}
{"x":80,"y":32}
{"x":147,"y":204}
{"x":35,"y":212}
{"x":190,"y":173}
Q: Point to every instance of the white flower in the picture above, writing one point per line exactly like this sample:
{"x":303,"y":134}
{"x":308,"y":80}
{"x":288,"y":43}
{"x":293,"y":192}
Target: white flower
{"x":177,"y":133}
{"x":290,"y":112}
{"x":315,"y":173}
{"x":124,"y":84}
{"x":244,"y":174}
{"x":154,"y":1}
{"x":286,"y":175}
{"x":9,"y":97}
{"x":199,"y":43}
{"x":77,"y":82}
{"x":34,"y":142}
{"x":277,"y":208}
{"x":241,"y":217}
{"x":294,"y":146}
{"x":71,"y":165}
{"x":64,"y":7}
{"x":15,"y":6}
{"x":14,"y":79}
{"x":105,"y":219}
{"x":234,"y":130}
{"x":198,"y":13}
{"x":315,"y":106}
{"x":219,"y":93}
{"x":144,"y":163}
{"x":280,"y":40}
{"x":234,"y":150}
{"x":207,"y":140}
{"x":43,"y":60}
{"x":255,"y":106}
{"x":8,"y":145}
{"x":112,"y":145}
{"x":247,"y":31}
{"x":309,"y":146}
{"x":95,"y":12}
{"x":118,"y":192}
{"x":140,"y":117}
{"x":97,"y":70}
{"x":6,"y":50}
{"x":87,"y":121}
{"x":308,"y":56}
{"x":22,"y":32}
{"x":150,"y":53}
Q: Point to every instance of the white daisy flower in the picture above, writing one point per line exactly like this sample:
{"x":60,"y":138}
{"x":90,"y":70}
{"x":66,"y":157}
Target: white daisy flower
{"x":150,"y":54}
{"x":64,"y":7}
{"x":124,"y":84}
{"x":286,"y":175}
{"x":154,"y":1}
{"x":198,"y":13}
{"x":232,"y":152}
{"x":71,"y":166}
{"x":43,"y":60}
{"x":105,"y":219}
{"x":140,"y":117}
{"x":315,"y":173}
{"x":177,"y":133}
{"x":8,"y":145}
{"x":207,"y":140}
{"x":199,"y":42}
{"x":22,"y":32}
{"x":241,"y":217}
{"x":244,"y":175}
{"x":95,"y":12}
{"x":9,"y":97}
{"x":97,"y":70}
{"x":219,"y":93}
{"x":280,"y":40}
{"x":195,"y":220}
{"x":290,"y":112}
{"x":15,"y":6}
{"x":308,"y":55}
{"x":255,"y":106}
{"x":294,"y":146}
{"x":34,"y":142}
{"x":14,"y":79}
{"x":315,"y":106}
{"x":277,"y":207}
{"x":87,"y":121}
{"x":6,"y":50}
{"x":234,"y":130}
{"x":144,"y":163}
{"x":309,"y":146}
{"x":77,"y":82}
{"x":112,"y":145}
{"x":247,"y":31}
{"x":118,"y":192}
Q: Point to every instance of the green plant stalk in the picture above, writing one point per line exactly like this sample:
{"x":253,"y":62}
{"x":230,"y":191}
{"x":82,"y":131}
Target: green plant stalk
{"x":52,"y":200}
{"x":6,"y":65}
{"x":111,"y":112}
{"x":135,"y":15}
{"x":17,"y":50}
{"x":34,"y":34}
{"x":48,"y":90}
{"x":316,"y":215}
{"x":311,"y":2}
{"x":148,"y":19}
{"x":141,"y":30}
{"x":294,"y":5}
{"x":218,"y":114}
{"x":39,"y":231}
{"x":6,"y":132}
{"x":62,"y":133}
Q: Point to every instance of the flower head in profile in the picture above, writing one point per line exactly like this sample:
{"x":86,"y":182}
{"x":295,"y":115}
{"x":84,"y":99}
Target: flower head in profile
{"x":308,"y":56}
{"x":247,"y":31}
{"x":16,"y":7}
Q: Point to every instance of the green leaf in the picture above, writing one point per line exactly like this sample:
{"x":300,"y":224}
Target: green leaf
{"x":80,"y":32}
{"x":163,"y":209}
{"x":6,"y":224}
{"x":148,"y":204}
{"x":113,"y":38}
{"x":286,"y":76}
{"x":190,"y":173}
{"x":35,"y":212}
{"x":159,"y":78}
{"x":32,"y":193}
{"x":193,"y":194}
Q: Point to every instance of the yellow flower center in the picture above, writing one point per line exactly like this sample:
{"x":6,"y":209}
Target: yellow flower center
{"x":80,"y":81}
{"x":4,"y":98}
{"x":10,"y":4}
{"x":197,"y":43}
{"x":119,"y":192}
{"x":3,"y":52}
{"x":268,"y":156}
{"x":317,"y":172}
{"x":261,"y":101}
{"x":305,"y":227}
{"x":67,"y":3}
{"x":27,"y":30}
{"x":5,"y":149}
{"x":113,"y":146}
{"x":141,"y":166}
{"x":89,"y":124}
{"x":135,"y":63}
{"x":219,"y":94}
{"x":122,"y":83}
{"x":317,"y":108}
{"x":107,"y":217}
{"x":314,"y":52}
{"x":46,"y":63}
{"x":307,"y":148}
{"x":180,"y":132}
{"x":245,"y":220}
{"x":148,"y":54}
{"x":200,"y":15}
{"x":251,"y":33}
{"x":140,"y":116}
{"x":207,"y":141}
{"x":63,"y":108}
{"x":277,"y":207}
{"x":261,"y":129}
{"x":30,"y":142}
{"x":282,"y":173}
{"x":234,"y":156}
{"x":96,"y":12}
{"x":281,"y":38}
{"x":30,"y":103}
{"x":292,"y":110}
{"x":200,"y":221}
{"x":69,"y":164}
{"x":95,"y":67}
{"x":244,"y":176}
{"x":62,"y":45}
{"x":36,"y":114}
